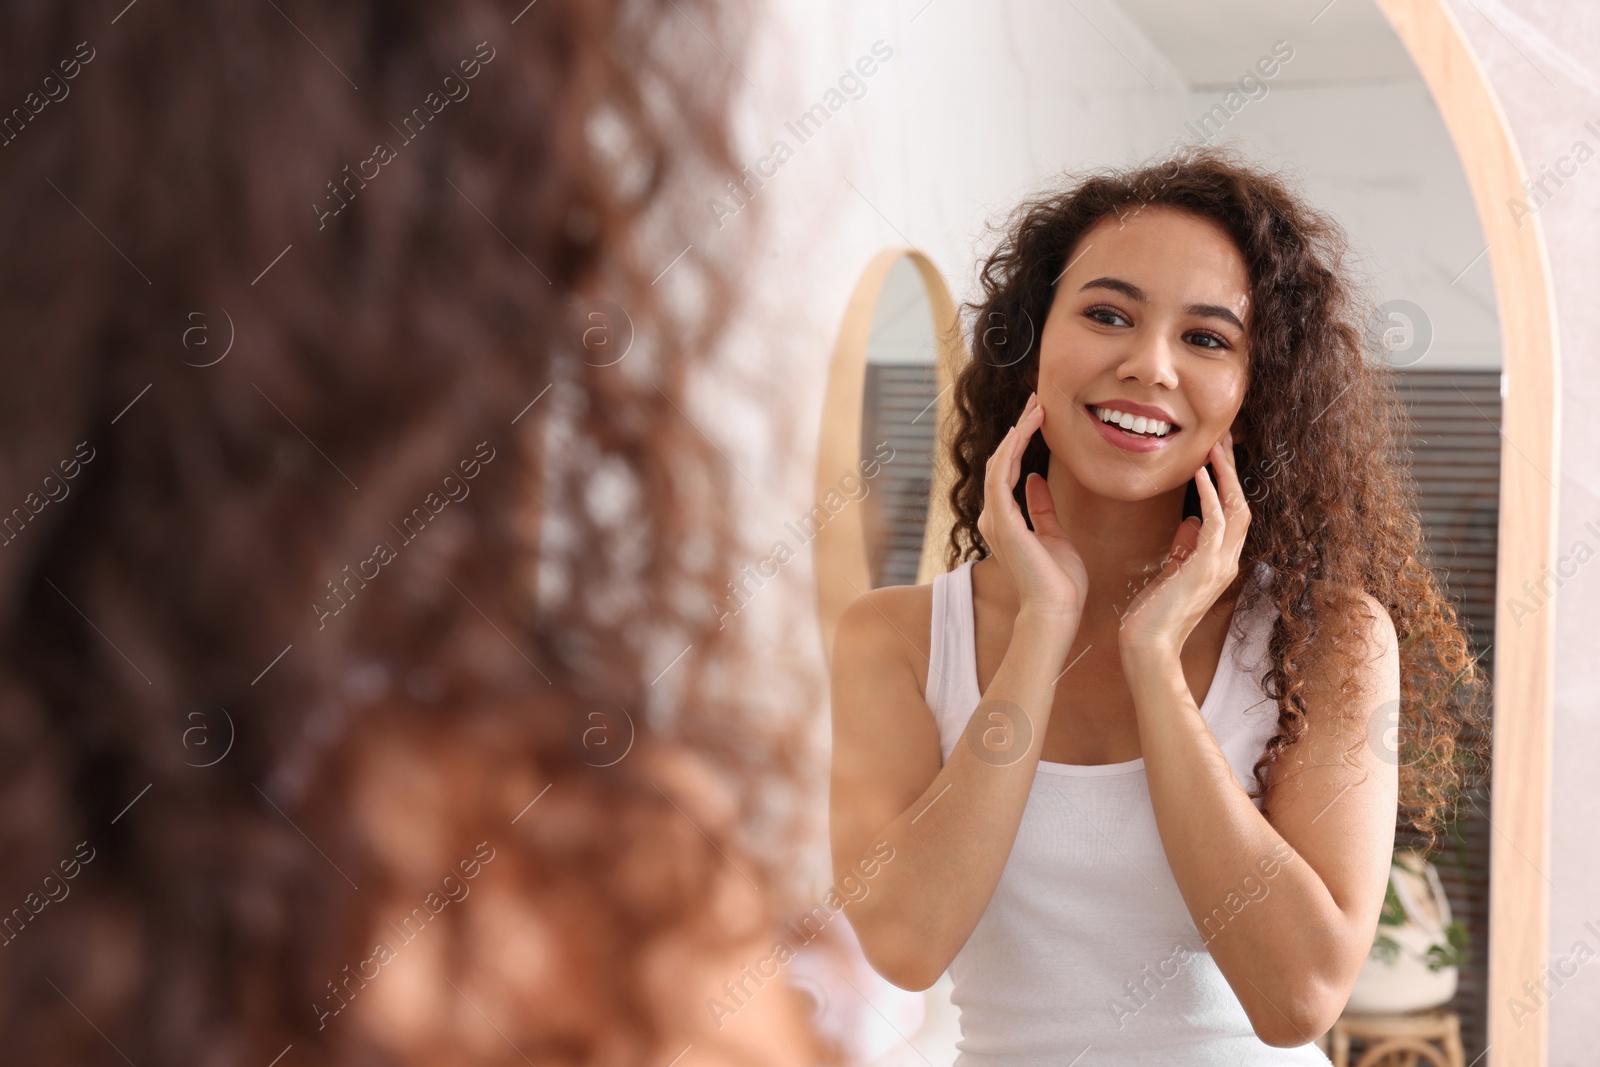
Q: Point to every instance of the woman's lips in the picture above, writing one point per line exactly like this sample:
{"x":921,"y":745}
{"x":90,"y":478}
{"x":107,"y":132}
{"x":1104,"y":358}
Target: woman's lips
{"x":1128,"y":442}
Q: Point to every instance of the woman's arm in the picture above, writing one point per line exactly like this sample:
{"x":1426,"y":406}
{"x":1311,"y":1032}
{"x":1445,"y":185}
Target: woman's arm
{"x":951,"y":828}
{"x":1288,"y":908}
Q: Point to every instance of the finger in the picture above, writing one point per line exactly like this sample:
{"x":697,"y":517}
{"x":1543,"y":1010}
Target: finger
{"x":1026,"y":427}
{"x":1212,"y":529}
{"x":1228,"y":537}
{"x":1014,"y":449}
{"x":998,"y":481}
{"x":1042,"y":507}
{"x":997,"y":459}
{"x":1234,"y":501}
{"x":1184,"y":542}
{"x":1231,"y":493}
{"x":1000,"y":446}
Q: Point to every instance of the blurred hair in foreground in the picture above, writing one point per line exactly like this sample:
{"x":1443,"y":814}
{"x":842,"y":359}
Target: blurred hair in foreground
{"x":362,"y":671}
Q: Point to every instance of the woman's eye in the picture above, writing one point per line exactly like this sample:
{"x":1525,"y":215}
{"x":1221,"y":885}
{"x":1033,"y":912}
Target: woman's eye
{"x":1096,"y":311}
{"x":1100,"y":309}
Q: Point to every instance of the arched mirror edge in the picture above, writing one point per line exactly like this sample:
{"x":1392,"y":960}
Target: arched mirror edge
{"x":1519,"y":902}
{"x":842,"y":573}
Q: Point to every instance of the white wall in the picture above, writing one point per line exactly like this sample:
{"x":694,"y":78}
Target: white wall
{"x":1379,"y":159}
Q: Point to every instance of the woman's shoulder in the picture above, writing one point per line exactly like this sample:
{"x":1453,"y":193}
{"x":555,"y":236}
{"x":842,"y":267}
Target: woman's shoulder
{"x":891,"y":623}
{"x":903,"y":613}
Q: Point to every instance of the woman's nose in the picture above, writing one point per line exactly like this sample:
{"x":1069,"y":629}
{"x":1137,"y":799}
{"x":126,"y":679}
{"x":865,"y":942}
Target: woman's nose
{"x":1149,"y":361}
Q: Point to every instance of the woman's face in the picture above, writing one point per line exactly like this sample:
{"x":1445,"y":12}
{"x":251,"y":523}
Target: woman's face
{"x":1151,"y":311}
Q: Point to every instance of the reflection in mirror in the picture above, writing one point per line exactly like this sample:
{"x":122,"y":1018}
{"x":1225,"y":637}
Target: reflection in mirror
{"x":897,"y":426}
{"x":1328,"y":96}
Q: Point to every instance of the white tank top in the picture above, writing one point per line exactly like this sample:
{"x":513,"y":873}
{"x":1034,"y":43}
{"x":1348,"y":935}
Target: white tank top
{"x":1086,"y":945}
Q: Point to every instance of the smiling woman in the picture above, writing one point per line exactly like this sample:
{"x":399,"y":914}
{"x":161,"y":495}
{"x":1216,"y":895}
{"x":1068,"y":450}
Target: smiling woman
{"x":1251,"y":326}
{"x":1136,"y":688}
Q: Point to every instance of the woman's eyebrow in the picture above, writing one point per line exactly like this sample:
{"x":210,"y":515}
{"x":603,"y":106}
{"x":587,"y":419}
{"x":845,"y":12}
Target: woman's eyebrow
{"x":1133,"y":292}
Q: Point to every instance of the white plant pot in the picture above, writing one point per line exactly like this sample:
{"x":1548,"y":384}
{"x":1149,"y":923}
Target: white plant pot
{"x":1406,"y":984}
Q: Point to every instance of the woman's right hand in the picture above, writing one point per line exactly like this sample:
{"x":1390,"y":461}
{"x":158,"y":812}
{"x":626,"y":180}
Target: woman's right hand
{"x":1045,"y":568}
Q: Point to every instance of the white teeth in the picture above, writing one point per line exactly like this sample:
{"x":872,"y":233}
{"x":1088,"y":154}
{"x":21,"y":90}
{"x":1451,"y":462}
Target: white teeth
{"x":1136,"y":423}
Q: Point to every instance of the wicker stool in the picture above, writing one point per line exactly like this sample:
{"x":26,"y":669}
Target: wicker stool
{"x":1420,"y":1039}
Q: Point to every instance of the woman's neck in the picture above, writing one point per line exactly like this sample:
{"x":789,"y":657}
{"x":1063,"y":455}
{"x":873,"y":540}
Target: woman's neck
{"x":1123,"y":543}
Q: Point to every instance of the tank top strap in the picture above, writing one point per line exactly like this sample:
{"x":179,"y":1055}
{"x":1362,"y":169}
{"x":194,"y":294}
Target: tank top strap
{"x":952,"y":691}
{"x":1244,"y":717}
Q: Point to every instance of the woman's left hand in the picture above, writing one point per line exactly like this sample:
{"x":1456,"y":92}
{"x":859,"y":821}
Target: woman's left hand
{"x":1203,"y":562}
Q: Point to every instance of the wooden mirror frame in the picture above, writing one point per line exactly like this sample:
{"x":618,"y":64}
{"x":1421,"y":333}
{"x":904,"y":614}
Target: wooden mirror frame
{"x":841,"y":567}
{"x":1519,"y":791}
{"x":1519,"y":899}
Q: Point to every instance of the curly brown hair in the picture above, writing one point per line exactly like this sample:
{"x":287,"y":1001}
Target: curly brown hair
{"x":1351,"y":528}
{"x":528,"y":696}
